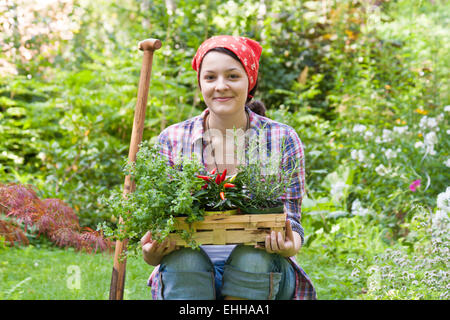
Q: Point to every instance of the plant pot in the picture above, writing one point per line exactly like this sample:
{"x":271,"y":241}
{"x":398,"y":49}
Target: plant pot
{"x":277,"y":209}
{"x":226,"y":212}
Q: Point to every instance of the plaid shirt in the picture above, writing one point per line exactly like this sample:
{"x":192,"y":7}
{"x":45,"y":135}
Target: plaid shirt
{"x":186,"y":139}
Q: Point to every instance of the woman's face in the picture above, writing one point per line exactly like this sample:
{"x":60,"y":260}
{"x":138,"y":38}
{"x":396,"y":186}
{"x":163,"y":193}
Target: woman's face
{"x":224,"y":83}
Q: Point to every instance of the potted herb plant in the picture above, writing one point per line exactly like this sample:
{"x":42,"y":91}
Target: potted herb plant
{"x":162,"y":193}
{"x":262,"y":182}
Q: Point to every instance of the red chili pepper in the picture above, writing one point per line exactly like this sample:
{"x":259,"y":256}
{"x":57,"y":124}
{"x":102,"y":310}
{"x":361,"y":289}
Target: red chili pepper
{"x":222,"y":195}
{"x":206,"y":178}
{"x":224,"y":174}
{"x":214,"y":171}
{"x":229,"y":185}
{"x":218,"y":179}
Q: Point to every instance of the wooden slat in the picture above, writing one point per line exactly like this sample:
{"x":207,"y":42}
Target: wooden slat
{"x":235,"y":229}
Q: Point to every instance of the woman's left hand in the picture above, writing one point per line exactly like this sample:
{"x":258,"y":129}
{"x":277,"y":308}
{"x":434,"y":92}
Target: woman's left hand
{"x":287,"y":247}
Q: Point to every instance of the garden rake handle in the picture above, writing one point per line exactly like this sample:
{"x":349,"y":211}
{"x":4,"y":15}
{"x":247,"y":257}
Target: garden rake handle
{"x":148,"y":46}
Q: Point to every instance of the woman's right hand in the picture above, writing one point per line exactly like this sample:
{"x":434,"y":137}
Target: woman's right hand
{"x":153,"y":251}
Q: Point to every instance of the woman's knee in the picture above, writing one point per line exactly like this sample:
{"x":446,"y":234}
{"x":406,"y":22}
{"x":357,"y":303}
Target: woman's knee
{"x":187,"y":259}
{"x":186,"y":274}
{"x":249,"y":259}
{"x":256,"y":274}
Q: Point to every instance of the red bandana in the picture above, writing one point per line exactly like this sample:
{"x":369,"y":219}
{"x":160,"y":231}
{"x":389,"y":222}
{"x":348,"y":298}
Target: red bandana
{"x":247,"y":50}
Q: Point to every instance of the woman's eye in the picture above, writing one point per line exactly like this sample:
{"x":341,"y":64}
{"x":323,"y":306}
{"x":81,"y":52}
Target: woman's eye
{"x":209,"y":77}
{"x":234,"y":76}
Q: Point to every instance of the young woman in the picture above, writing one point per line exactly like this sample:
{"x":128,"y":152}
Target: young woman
{"x":227,"y":71}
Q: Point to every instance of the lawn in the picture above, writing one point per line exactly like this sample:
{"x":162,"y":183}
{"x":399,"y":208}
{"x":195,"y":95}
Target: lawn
{"x":31,"y":273}
{"x":49,"y":273}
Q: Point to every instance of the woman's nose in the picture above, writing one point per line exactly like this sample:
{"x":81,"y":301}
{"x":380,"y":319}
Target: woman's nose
{"x":221,"y":84}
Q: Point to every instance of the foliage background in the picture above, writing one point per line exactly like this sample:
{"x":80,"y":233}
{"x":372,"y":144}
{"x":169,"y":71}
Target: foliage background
{"x":364,"y":83}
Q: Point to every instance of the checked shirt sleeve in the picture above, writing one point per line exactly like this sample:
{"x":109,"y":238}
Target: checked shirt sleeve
{"x":293,"y":159}
{"x":293,"y":210}
{"x":165,"y":147}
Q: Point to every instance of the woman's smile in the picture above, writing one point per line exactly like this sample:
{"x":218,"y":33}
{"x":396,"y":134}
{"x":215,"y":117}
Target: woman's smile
{"x":222,"y":99}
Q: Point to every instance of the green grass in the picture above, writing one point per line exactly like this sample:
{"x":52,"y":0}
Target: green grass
{"x":30,"y":273}
{"x":329,"y":276}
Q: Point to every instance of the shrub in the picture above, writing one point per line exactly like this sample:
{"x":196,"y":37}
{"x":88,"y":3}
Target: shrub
{"x":10,"y":232}
{"x":51,"y":217}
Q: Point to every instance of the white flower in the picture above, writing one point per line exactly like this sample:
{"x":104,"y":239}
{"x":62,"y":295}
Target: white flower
{"x":447,"y":163}
{"x":447,"y":108}
{"x":355,"y":273}
{"x":359,"y":128}
{"x":41,"y":156}
{"x":368,"y":135}
{"x":338,"y":188}
{"x":387,"y":135}
{"x":430,"y":139}
{"x":439,"y":220}
{"x":428,"y":122}
{"x":400,"y":130}
{"x":443,"y":200}
{"x":390,"y":154}
{"x":358,"y":209}
{"x":431,"y":151}
{"x":359,"y":155}
{"x":441,"y":214}
{"x":335,"y":228}
{"x":381,"y":170}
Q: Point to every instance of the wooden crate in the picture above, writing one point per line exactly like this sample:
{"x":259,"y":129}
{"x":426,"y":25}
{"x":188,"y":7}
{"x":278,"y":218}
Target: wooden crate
{"x":247,"y":229}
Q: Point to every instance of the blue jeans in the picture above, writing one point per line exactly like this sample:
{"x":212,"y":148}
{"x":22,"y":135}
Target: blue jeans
{"x":248,"y":273}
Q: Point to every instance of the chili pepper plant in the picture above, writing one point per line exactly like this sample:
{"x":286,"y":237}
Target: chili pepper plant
{"x":218,"y":193}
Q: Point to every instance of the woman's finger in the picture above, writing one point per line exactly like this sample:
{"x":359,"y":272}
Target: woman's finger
{"x":161,"y":247}
{"x":146,"y":238}
{"x":148,"y":248}
{"x":281,"y":243}
{"x":268,"y":246}
{"x":273,"y":241}
{"x":289,"y":232}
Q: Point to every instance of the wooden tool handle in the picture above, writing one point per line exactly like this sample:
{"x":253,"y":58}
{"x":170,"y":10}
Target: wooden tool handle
{"x":148,"y":46}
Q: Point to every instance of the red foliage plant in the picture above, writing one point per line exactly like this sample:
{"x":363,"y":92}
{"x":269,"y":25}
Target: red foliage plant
{"x":12,"y":232}
{"x":51,"y":217}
